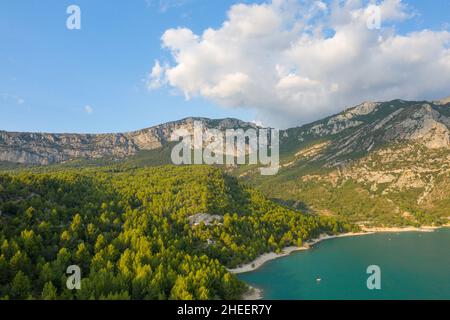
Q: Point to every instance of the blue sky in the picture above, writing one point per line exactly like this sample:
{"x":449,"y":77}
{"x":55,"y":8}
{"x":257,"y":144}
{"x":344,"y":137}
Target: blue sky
{"x":49,"y":74}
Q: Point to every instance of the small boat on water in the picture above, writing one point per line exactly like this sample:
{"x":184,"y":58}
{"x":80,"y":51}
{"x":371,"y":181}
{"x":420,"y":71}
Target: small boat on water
{"x":318,"y":279}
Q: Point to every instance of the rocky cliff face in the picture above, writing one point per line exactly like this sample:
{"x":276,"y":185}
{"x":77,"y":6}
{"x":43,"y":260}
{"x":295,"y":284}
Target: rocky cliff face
{"x":369,"y":126}
{"x":46,"y":148}
{"x":355,"y":131}
{"x":382,"y":163}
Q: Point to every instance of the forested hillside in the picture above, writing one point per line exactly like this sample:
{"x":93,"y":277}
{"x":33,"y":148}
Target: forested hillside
{"x":377,"y":164}
{"x":134,"y":232}
{"x":401,"y":185}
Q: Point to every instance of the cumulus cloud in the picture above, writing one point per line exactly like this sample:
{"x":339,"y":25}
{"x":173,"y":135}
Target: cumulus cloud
{"x":88,"y":109}
{"x":296,"y":61}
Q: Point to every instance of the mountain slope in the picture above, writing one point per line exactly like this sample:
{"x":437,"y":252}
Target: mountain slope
{"x":368,"y":126}
{"x":48,"y":148}
{"x":377,"y":163}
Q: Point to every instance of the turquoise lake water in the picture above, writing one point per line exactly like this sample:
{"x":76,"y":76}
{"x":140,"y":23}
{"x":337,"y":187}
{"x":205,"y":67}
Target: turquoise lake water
{"x":414,"y":265}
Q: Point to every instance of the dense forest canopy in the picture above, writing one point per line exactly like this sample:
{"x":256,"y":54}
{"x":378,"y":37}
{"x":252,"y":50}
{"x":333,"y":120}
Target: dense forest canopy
{"x":131,"y":232}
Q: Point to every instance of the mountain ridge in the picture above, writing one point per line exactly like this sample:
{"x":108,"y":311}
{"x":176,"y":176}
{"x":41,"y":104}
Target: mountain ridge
{"x":387,"y":163}
{"x":38,"y":148}
{"x":358,"y":129}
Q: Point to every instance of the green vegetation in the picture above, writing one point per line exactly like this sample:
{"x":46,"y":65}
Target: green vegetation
{"x":129,"y":231}
{"x":133,"y":225}
{"x":4,"y":165}
{"x":349,"y":200}
{"x":398,"y":185}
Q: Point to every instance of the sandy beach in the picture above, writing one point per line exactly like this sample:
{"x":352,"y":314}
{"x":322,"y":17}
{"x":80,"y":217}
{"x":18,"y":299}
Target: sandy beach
{"x":405,"y":229}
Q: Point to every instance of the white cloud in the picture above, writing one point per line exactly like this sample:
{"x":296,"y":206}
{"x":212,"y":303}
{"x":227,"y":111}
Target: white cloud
{"x":165,"y":5}
{"x":296,"y":61}
{"x":9,"y":99}
{"x":156,"y":78}
{"x":88,"y":109}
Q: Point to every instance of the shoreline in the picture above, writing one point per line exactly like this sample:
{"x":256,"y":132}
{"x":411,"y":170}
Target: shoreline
{"x":262,"y":259}
{"x":257,"y":294}
{"x":404,"y":229}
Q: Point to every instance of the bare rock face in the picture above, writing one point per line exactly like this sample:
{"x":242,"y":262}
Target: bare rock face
{"x":43,"y":148}
{"x":368,"y":128}
{"x":442,"y":101}
{"x":424,"y":125}
{"x":205,"y":218}
{"x":421,"y":123}
{"x":46,"y":148}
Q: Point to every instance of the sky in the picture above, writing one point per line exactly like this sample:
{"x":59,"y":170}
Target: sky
{"x":134,"y":64}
